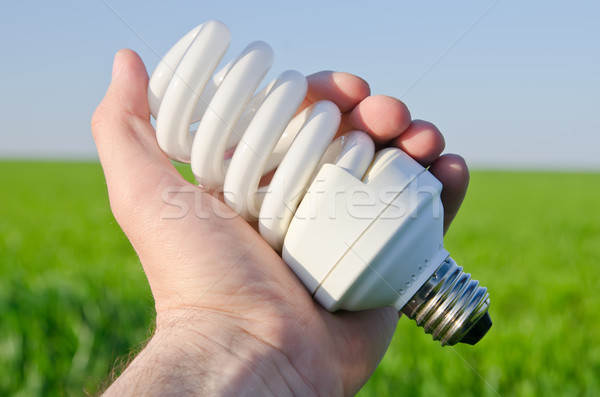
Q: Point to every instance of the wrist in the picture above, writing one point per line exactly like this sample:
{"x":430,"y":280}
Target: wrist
{"x":208,"y":353}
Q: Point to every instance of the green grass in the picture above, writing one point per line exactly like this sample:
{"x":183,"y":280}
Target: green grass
{"x":73,"y":298}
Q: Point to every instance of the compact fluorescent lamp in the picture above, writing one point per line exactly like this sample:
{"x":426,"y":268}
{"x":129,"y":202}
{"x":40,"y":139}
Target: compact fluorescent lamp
{"x":360,"y":229}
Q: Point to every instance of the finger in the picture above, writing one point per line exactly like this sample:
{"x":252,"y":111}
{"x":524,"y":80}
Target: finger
{"x":383,"y":117}
{"x":452,"y":171}
{"x":422,"y":141}
{"x":344,"y":89}
{"x":130,"y":156}
{"x":129,"y":83}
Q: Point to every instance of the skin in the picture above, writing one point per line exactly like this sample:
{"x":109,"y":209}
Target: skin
{"x":231,"y":318}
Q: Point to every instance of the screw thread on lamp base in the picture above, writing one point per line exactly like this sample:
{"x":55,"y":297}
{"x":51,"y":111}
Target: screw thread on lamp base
{"x":450,"y":306}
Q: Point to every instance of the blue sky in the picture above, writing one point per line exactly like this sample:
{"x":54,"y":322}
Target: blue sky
{"x":516,"y":87}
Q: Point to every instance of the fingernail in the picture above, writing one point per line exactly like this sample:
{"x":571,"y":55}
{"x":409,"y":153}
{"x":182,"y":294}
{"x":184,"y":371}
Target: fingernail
{"x":117,"y":65}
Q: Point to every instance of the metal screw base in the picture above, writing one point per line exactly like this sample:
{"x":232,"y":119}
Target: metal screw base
{"x":450,"y":306}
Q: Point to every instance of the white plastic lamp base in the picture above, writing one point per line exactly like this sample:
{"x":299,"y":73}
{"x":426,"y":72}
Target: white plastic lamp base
{"x":383,"y":241}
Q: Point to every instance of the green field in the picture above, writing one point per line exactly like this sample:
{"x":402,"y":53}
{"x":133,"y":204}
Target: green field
{"x":73,"y":298}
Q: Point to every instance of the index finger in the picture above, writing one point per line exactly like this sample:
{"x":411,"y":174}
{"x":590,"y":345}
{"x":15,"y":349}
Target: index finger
{"x":344,"y":89}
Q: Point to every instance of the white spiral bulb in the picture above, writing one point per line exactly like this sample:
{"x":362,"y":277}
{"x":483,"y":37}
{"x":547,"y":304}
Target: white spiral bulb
{"x":185,"y":89}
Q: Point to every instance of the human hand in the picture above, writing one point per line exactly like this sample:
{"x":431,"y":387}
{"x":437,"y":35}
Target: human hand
{"x":231,"y":318}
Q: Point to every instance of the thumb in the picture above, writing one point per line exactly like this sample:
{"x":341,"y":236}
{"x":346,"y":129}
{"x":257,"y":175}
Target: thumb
{"x":126,"y":97}
{"x":129,"y":81}
{"x":133,"y":163}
